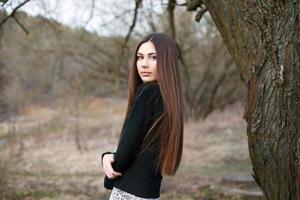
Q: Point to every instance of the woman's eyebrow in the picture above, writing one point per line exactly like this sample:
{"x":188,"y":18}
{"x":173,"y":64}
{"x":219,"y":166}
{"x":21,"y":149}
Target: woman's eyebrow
{"x":148,"y":53}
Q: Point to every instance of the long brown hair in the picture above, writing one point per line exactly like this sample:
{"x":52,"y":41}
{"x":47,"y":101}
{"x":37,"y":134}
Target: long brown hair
{"x":169,"y":126}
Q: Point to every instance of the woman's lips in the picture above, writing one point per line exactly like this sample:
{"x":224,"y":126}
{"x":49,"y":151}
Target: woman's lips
{"x":146,"y":73}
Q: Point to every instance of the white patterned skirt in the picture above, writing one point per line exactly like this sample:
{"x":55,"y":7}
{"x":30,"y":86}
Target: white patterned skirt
{"x":117,"y":194}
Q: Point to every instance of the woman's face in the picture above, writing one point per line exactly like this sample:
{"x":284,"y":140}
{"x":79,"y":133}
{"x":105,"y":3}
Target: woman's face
{"x":146,"y":62}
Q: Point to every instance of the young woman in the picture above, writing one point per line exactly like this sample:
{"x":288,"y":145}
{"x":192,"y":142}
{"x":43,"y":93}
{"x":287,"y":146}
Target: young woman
{"x":150,"y":144}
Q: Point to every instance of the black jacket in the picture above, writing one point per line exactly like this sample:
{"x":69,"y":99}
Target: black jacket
{"x":139,"y":176}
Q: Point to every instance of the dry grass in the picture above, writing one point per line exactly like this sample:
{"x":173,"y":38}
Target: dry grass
{"x":43,"y":162}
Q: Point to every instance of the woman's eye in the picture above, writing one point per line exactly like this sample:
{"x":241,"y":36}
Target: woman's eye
{"x":153,"y":57}
{"x":139,"y":57}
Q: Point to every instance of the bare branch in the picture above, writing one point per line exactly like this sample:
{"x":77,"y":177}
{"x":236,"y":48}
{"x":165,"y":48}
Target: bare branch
{"x":175,"y":4}
{"x":137,"y":5}
{"x":21,"y":25}
{"x":200,"y":13}
{"x":151,"y":22}
{"x":46,"y":8}
{"x":91,"y":14}
{"x":192,"y":5}
{"x":4,"y":2}
{"x":12,"y":14}
{"x":99,"y":67}
{"x":171,"y":8}
{"x":124,"y":44}
{"x":115,"y":18}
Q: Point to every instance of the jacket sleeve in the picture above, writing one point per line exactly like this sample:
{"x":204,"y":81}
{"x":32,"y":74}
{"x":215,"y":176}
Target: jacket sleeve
{"x":134,"y":130}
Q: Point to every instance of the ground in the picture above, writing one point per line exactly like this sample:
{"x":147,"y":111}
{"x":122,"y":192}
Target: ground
{"x":40,"y":156}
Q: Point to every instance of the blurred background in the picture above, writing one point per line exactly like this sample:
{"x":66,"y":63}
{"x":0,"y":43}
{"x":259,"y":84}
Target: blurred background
{"x":63,"y":87}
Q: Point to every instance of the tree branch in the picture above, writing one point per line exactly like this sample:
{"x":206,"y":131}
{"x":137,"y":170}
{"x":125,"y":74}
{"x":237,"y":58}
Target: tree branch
{"x":12,"y":14}
{"x":91,"y":15}
{"x":3,"y":2}
{"x":137,"y":5}
{"x":200,"y":13}
{"x":124,"y":44}
{"x":20,"y":24}
{"x":171,"y":8}
{"x":175,"y":4}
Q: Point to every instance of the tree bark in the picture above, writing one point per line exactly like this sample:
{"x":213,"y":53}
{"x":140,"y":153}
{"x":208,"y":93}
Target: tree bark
{"x":263,"y":39}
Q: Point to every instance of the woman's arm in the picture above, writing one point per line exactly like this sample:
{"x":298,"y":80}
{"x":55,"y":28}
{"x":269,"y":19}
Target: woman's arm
{"x":134,"y":130}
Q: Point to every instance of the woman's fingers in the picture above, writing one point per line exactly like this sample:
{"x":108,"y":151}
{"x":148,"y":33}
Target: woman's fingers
{"x":107,"y":167}
{"x":111,"y":173}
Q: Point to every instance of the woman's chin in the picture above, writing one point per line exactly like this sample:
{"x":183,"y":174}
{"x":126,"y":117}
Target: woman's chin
{"x":148,"y":79}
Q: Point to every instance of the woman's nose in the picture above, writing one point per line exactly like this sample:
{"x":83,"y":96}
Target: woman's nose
{"x":145,"y":63}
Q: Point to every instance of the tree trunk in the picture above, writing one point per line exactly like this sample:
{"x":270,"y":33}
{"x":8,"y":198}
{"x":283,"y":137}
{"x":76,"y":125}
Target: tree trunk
{"x":263,"y":38}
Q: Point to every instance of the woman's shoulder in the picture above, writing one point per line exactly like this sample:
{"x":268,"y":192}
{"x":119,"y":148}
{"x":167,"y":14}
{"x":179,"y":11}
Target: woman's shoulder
{"x":148,"y":89}
{"x":149,"y":95}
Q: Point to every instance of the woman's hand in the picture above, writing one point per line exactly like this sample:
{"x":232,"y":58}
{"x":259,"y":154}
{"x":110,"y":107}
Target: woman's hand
{"x":107,"y":161}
